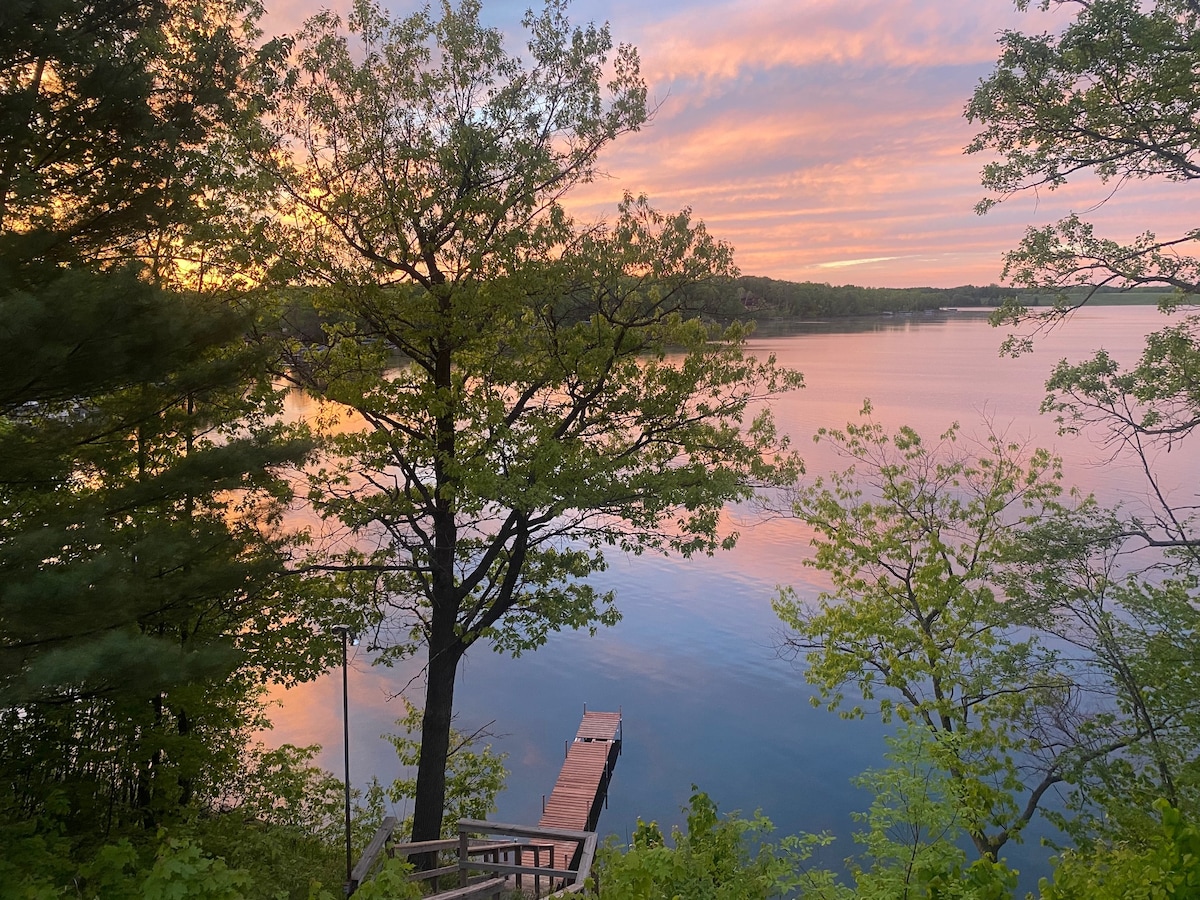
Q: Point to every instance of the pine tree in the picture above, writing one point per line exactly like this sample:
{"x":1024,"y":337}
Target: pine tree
{"x":142,"y":588}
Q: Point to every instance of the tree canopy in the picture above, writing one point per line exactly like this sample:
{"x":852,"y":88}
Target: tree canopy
{"x":143,"y":591}
{"x":1116,"y":93}
{"x":1001,"y":625}
{"x":525,"y":390}
{"x":913,"y":537}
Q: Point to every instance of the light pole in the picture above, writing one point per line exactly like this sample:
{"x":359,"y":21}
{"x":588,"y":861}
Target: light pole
{"x":348,"y":637}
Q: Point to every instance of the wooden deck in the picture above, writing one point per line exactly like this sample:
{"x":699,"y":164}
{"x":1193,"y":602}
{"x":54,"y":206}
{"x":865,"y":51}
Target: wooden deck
{"x":578,"y":796}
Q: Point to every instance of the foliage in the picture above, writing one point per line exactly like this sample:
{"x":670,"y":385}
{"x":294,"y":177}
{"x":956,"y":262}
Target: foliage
{"x":142,"y":597}
{"x":1004,"y":631}
{"x":116,"y":118}
{"x":122,"y":403}
{"x":717,"y":858}
{"x":282,"y":821}
{"x":474,"y":775}
{"x":143,"y":592}
{"x":525,"y":391}
{"x":758,"y":299}
{"x":1115,"y":94}
{"x":910,"y":848}
{"x":763,"y":299}
{"x":912,"y":844}
{"x":178,"y":869}
{"x":276,"y":833}
{"x":182,"y":870}
{"x":390,"y":883}
{"x":1165,"y":862}
{"x":1150,"y":407}
{"x":1129,"y":642}
{"x":912,"y":537}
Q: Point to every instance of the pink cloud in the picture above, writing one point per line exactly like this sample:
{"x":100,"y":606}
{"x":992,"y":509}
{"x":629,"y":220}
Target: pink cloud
{"x":728,"y":38}
{"x":808,"y":134}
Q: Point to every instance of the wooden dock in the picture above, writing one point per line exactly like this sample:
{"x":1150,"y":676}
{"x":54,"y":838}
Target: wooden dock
{"x":579,"y":795}
{"x":561,"y":847}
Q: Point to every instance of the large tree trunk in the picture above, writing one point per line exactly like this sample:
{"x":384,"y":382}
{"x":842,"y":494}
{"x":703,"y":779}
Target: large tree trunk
{"x":445,"y":647}
{"x":430,"y":799}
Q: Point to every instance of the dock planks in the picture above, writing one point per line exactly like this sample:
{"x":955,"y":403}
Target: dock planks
{"x":599,"y":726}
{"x":582,"y":785}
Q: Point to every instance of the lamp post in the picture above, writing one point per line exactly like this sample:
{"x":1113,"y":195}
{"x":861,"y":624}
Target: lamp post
{"x":348,"y":637}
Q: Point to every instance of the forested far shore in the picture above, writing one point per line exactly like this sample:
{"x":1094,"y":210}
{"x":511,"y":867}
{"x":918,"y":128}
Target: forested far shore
{"x":761,"y":299}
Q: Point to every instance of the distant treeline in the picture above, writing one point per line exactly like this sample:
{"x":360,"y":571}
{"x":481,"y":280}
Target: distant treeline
{"x":760,"y":298}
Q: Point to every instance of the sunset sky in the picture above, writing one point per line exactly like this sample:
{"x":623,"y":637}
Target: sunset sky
{"x":824,"y":138}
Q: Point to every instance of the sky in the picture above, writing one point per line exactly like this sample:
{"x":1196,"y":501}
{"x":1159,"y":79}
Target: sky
{"x":824,"y":139}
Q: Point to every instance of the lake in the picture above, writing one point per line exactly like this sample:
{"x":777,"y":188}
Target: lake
{"x":692,"y":665}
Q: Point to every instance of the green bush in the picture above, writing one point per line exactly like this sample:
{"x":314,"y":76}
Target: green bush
{"x":717,"y":858}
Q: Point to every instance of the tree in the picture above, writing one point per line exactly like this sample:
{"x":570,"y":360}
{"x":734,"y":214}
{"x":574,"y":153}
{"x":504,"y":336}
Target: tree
{"x":1128,"y":637}
{"x":526,"y":391}
{"x":475,"y":774}
{"x":1165,"y":863}
{"x":974,"y":606}
{"x":1116,"y":93}
{"x":912,"y":843}
{"x":142,"y":598}
{"x":910,"y":849}
{"x":913,"y":538}
{"x":142,"y":591}
{"x":116,"y":118}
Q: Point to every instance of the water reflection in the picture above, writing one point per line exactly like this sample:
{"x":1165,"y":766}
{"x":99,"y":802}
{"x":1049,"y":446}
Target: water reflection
{"x":692,"y":665}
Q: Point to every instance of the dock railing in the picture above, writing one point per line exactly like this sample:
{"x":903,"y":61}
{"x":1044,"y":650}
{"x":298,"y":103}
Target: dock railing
{"x":488,"y":867}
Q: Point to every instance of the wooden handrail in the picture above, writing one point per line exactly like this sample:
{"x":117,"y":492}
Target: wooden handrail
{"x":479,"y":826}
{"x":535,"y":838}
{"x":586,"y":839}
{"x":371,"y":855}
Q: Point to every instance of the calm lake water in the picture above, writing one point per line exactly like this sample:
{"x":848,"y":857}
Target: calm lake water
{"x":692,"y":665}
